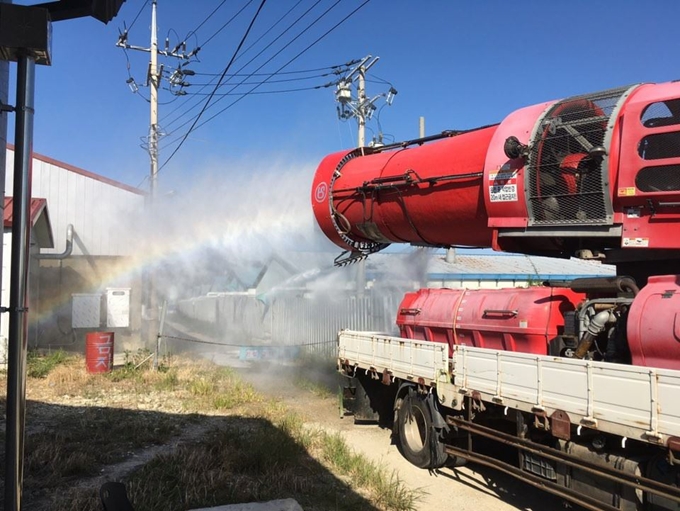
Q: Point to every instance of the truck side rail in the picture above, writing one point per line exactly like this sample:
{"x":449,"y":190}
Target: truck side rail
{"x":634,"y":402}
{"x":407,"y":359}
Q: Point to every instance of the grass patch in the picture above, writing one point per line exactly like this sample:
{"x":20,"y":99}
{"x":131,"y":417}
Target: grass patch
{"x":255,"y":459}
{"x":263,"y":453}
{"x":39,"y":365}
{"x":387,"y":489}
{"x":318,"y":389}
{"x":79,"y":444}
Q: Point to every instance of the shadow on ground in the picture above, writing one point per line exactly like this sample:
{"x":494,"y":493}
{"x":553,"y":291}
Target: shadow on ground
{"x":170,"y":461}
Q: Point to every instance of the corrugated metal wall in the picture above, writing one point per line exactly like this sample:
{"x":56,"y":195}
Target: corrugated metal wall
{"x":310,"y":323}
{"x":98,"y":210}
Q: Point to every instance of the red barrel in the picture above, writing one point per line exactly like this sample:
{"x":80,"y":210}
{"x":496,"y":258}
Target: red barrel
{"x":99,"y":352}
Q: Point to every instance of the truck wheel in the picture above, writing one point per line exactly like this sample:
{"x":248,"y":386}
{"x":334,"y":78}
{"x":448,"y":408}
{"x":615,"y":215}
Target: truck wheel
{"x":417,"y":438}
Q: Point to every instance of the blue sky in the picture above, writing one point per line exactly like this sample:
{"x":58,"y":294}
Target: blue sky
{"x":459,"y":64}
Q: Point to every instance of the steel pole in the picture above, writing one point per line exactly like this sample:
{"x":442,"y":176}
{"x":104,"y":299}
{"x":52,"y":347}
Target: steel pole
{"x":18,"y":295}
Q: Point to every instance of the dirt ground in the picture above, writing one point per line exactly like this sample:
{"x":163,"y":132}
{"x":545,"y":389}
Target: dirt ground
{"x":469,"y":488}
{"x":464,"y":489}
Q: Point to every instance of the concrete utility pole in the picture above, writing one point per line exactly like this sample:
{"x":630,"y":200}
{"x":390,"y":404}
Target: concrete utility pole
{"x":360,"y":106}
{"x":154,"y":77}
{"x":361,"y":118}
{"x":153,"y":100}
{"x":153,"y":81}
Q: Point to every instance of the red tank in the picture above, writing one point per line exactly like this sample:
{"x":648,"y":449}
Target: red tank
{"x":430,"y":194}
{"x":654,"y":324}
{"x":512,"y":319}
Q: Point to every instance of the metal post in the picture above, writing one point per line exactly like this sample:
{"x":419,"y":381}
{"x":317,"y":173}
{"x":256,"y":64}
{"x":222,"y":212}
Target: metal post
{"x":18,"y":302}
{"x":159,"y":337}
{"x":422,"y":127}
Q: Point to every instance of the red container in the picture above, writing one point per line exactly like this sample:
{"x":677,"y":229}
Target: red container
{"x":99,"y":352}
{"x":513,"y":319}
{"x":428,"y":194}
{"x":654,"y":324}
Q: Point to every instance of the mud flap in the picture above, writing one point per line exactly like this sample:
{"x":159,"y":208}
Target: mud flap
{"x":356,"y":402}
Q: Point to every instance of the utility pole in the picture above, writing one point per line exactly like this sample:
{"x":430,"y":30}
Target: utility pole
{"x":153,"y":100}
{"x":362,"y":113}
{"x":153,"y":80}
{"x":360,"y":106}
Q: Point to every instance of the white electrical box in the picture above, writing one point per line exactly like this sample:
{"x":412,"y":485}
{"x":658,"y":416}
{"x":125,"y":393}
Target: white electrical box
{"x":86,"y":310}
{"x":117,"y":307}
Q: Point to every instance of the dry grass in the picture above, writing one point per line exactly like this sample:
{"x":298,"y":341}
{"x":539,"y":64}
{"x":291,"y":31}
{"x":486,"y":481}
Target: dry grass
{"x":254,"y":449}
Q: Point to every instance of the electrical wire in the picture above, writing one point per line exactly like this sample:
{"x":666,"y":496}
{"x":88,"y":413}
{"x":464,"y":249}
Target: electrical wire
{"x":316,"y":41}
{"x":217,"y":74}
{"x":293,"y":59}
{"x":226,"y":69}
{"x":138,"y":14}
{"x":265,"y":92}
{"x":205,"y":20}
{"x":270,"y":58}
{"x":226,"y":24}
{"x":284,"y":80}
{"x":274,"y":26}
{"x":173,"y":121}
{"x":303,"y":71}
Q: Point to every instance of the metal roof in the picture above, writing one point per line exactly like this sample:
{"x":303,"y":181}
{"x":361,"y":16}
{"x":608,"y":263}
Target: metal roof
{"x":496,"y":267}
{"x":40,"y":220}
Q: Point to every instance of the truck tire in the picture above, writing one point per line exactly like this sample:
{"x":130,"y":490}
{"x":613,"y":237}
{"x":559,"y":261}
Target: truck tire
{"x":418,"y":440}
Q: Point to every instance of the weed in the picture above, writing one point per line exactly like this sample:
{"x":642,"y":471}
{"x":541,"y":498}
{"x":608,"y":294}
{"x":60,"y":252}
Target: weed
{"x":266,"y":453}
{"x":389,"y":492}
{"x":39,"y":366}
{"x":318,"y":389}
{"x":168,"y":382}
{"x":201,"y":387}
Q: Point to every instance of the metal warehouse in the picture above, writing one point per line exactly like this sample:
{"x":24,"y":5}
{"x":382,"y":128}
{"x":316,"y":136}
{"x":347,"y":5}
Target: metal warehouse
{"x":82,"y":278}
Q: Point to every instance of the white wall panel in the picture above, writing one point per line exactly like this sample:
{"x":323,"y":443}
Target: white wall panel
{"x":102,"y":213}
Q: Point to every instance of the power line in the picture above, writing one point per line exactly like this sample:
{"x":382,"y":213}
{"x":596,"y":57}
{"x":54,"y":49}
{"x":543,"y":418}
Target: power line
{"x":217,"y":74}
{"x":282,"y":67}
{"x":274,"y":26}
{"x":205,"y":20}
{"x":283,"y":80}
{"x":134,"y":20}
{"x":243,"y":40}
{"x":173,"y":121}
{"x":270,"y":58}
{"x":226,"y":24}
{"x":326,"y":85}
{"x":302,"y":71}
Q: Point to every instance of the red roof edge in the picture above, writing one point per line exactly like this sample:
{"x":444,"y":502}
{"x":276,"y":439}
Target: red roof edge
{"x":39,"y":217}
{"x":84,"y":172}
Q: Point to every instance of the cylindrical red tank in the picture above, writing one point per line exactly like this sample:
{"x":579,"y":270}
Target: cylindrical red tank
{"x":429,"y":194}
{"x":99,"y":352}
{"x":654,"y":324}
{"x":513,"y":319}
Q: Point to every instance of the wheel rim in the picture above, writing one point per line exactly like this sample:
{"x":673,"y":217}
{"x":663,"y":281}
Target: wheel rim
{"x":415,"y":429}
